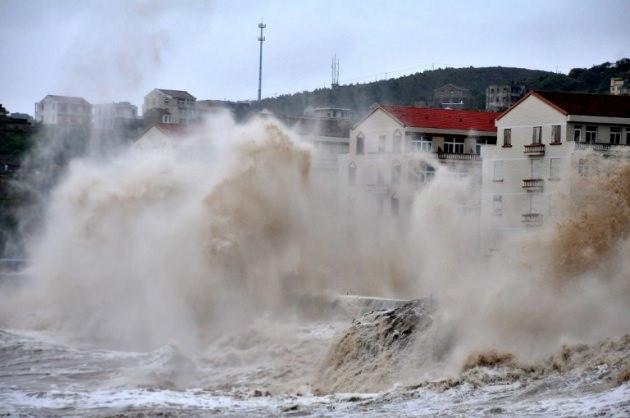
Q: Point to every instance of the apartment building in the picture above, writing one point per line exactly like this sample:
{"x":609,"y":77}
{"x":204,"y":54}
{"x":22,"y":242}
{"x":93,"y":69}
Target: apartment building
{"x":499,"y":97}
{"x":619,"y":86}
{"x":63,"y":111}
{"x":113,"y":115}
{"x":452,"y":97}
{"x":394,"y":149}
{"x":540,"y":140}
{"x":175,"y":106}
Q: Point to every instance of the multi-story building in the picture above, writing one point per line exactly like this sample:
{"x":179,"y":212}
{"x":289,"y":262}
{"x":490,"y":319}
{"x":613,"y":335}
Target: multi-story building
{"x":619,"y":86}
{"x":540,"y":140}
{"x":63,"y":111}
{"x":452,"y":97}
{"x":394,"y":151}
{"x":501,"y":96}
{"x":329,"y":112}
{"x":177,"y":106}
{"x":113,"y":115}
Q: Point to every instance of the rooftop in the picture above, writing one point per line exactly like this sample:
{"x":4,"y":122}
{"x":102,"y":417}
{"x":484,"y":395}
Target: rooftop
{"x":178,"y":94}
{"x":67,"y":99}
{"x":583,"y":104}
{"x":587,"y":104}
{"x":424,"y":117}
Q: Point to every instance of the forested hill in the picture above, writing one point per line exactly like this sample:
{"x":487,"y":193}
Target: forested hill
{"x":413,"y":88}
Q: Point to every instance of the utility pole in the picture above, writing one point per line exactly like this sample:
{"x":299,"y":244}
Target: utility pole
{"x":334,"y":72}
{"x":261,"y":39}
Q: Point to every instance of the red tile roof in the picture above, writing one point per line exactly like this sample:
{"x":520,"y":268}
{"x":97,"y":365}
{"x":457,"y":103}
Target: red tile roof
{"x":422,"y":117}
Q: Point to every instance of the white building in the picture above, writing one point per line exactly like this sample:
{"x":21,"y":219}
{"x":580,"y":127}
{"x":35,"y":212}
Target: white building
{"x":501,"y":96}
{"x":540,"y":139}
{"x":391,"y":146}
{"x":174,"y":106}
{"x":111,"y":115}
{"x":63,"y":111}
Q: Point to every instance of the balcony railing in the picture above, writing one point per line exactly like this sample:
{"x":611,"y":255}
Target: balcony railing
{"x":597,"y":147}
{"x":532,"y":219}
{"x":532,"y":185}
{"x":459,"y":157}
{"x":534,"y":150}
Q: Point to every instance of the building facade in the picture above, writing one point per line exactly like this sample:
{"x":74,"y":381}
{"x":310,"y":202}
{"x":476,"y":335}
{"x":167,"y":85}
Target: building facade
{"x":177,"y":106}
{"x":541,"y":140}
{"x":499,"y":97}
{"x":63,"y":111}
{"x":619,"y":86}
{"x":394,"y":151}
{"x":452,"y":97}
{"x":113,"y":115}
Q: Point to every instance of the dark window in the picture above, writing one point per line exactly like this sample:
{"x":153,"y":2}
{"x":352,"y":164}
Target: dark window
{"x":591,"y":134}
{"x":360,"y":145}
{"x":555,"y":134}
{"x":615,"y":136}
{"x":507,"y":137}
{"x":537,"y":135}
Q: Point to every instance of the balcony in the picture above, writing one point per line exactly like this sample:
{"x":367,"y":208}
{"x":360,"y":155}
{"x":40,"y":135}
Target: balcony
{"x":598,"y":147}
{"x":459,"y":157}
{"x":534,"y":150}
{"x":533,"y":185}
{"x":532,"y":219}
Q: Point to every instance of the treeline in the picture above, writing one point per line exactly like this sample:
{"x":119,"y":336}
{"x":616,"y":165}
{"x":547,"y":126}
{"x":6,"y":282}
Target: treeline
{"x":418,"y":87}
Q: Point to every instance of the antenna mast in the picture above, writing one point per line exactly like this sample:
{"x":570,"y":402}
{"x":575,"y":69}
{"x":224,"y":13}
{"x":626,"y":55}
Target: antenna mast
{"x":261,"y":39}
{"x":334,"y":72}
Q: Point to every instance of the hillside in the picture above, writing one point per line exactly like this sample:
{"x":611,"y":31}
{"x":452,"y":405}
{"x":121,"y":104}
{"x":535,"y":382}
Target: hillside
{"x":410,"y":89}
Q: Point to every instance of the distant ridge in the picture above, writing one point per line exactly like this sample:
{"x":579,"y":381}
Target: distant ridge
{"x":413,"y":88}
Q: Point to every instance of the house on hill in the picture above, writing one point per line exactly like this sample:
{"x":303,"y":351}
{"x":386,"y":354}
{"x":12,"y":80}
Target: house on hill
{"x":63,"y":111}
{"x":541,"y":140}
{"x":394,"y":150}
{"x":450,"y":96}
{"x":175,"y":106}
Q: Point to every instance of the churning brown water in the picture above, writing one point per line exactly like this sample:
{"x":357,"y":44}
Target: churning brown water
{"x":203,"y":277}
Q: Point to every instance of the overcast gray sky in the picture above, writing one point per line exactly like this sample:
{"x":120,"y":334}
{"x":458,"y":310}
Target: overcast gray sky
{"x":115,"y":50}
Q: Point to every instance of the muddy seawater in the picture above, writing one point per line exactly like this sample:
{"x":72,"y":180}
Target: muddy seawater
{"x":214,"y":275}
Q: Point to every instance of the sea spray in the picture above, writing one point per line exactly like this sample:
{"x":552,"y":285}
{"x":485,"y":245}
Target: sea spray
{"x":187,"y":243}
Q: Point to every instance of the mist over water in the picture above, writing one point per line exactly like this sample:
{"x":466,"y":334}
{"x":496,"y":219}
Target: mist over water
{"x":216,"y":246}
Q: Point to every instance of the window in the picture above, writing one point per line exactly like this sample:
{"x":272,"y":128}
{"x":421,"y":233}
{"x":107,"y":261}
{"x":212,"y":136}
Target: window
{"x":615,"y":136}
{"x":498,"y":171}
{"x":167,"y":119}
{"x":396,"y":171}
{"x":627,"y":136}
{"x":577,"y":134}
{"x":360,"y":148}
{"x":554,"y":168}
{"x":352,"y":174}
{"x":591,"y":134}
{"x":166,"y":100}
{"x":420,"y":172}
{"x":395,"y":205}
{"x":497,"y":205}
{"x":421,"y":144}
{"x":507,"y":137}
{"x":535,"y":202}
{"x":537,"y":135}
{"x":381,"y":143}
{"x":453,"y":147}
{"x":397,"y":142}
{"x":537,"y":168}
{"x":555,"y":134}
{"x":380,"y":178}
